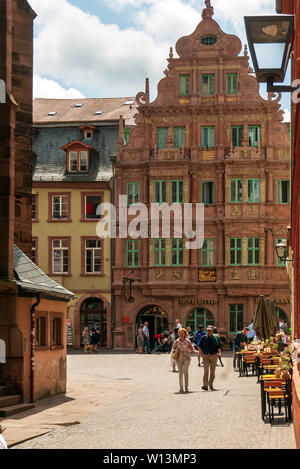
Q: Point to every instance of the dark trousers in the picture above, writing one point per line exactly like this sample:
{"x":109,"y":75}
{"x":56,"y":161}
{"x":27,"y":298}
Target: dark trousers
{"x":146,"y":344}
{"x":235,"y":356}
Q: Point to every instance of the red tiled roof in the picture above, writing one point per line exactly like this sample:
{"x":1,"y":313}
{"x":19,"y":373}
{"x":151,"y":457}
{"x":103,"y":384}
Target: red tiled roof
{"x":66,"y":110}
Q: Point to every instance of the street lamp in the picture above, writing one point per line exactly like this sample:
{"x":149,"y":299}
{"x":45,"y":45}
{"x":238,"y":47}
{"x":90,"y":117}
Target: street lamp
{"x":282,"y":251}
{"x":270,"y":40}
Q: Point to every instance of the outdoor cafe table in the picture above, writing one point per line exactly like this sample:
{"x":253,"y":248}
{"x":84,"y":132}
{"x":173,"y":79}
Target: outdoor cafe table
{"x":263,"y":394}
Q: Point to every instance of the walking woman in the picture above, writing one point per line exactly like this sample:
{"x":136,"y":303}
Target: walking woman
{"x":140,"y":339}
{"x":86,"y":338}
{"x":183,"y":348}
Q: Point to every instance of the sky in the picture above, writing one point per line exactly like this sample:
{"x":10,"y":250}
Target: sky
{"x":106,"y":48}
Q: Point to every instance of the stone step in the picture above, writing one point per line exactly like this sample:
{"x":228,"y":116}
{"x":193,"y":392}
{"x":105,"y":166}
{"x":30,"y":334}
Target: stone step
{"x":3,"y":390}
{"x":15,"y":409}
{"x":7,"y":401}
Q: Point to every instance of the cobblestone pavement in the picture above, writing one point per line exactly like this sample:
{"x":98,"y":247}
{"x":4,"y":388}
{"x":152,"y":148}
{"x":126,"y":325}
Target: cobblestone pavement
{"x":150,"y":413}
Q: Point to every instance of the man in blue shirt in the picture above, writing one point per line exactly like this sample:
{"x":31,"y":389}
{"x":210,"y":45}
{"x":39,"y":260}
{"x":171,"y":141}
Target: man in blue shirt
{"x":210,"y":349}
{"x":199,"y":334}
{"x":239,"y":342}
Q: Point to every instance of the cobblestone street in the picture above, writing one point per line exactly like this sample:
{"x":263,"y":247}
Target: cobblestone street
{"x":130,"y":401}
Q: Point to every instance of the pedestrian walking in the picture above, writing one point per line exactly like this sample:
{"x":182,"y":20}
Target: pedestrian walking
{"x":199,"y":334}
{"x":95,"y":335}
{"x":86,"y":338}
{"x":146,"y":337}
{"x":181,"y":352}
{"x":3,"y":444}
{"x":239,"y":342}
{"x":210,"y":349}
{"x":178,"y":324}
{"x":140,"y":339}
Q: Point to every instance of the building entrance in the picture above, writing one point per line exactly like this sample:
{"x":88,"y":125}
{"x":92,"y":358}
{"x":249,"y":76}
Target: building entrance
{"x":92,"y":312}
{"x":157,"y":319}
{"x":199,"y":317}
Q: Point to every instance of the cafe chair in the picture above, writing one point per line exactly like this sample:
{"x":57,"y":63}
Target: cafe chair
{"x":250,"y":362}
{"x":277,"y":396}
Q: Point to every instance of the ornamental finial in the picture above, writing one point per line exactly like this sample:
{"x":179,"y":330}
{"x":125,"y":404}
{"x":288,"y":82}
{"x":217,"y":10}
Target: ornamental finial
{"x":208,"y":12}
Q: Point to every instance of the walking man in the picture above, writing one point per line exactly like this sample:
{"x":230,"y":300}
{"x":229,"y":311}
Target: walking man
{"x":146,"y":343}
{"x":210,"y":350}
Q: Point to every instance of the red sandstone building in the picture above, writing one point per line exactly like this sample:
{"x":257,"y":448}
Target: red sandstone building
{"x":292,"y":7}
{"x":29,"y":301}
{"x":208,"y":137}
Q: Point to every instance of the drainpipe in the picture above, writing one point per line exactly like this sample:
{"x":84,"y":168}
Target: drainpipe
{"x":32,"y":346}
{"x":112,"y":258}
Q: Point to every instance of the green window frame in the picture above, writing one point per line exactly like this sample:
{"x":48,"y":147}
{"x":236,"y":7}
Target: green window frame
{"x":207,"y":192}
{"x":160,"y":192}
{"x":235,"y":251}
{"x":236,"y":191}
{"x":177,"y":252}
{"x":284,"y":191}
{"x":133,"y":253}
{"x":253,"y":191}
{"x":279,"y":263}
{"x":254,"y":135}
{"x":179,"y":137}
{"x":208,"y":85}
{"x":208,"y":253}
{"x":126,"y":135}
{"x":208,"y":137}
{"x":237,"y":135}
{"x":236,"y":318}
{"x":162,"y":137}
{"x":208,"y":40}
{"x":232,"y":83}
{"x":184,"y":85}
{"x":133,"y":193}
{"x":159,"y":252}
{"x":253,"y":251}
{"x":177,"y":191}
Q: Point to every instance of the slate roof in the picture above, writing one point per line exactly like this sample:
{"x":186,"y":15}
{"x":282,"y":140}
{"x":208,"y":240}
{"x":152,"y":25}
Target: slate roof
{"x":54,"y":132}
{"x":32,"y":279}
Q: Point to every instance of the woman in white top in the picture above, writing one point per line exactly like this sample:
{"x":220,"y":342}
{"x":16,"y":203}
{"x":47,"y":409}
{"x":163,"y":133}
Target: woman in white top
{"x":184,"y":347}
{"x":3,"y":444}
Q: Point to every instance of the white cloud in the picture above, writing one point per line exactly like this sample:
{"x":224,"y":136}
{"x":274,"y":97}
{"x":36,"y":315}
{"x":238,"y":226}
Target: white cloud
{"x":44,"y":88}
{"x":75,"y":51}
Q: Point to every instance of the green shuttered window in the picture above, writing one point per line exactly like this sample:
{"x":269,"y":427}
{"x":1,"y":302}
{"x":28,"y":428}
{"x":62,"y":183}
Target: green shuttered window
{"x":253,"y":251}
{"x":133,"y":253}
{"x":162,"y":137}
{"x":208,"y":253}
{"x":133,"y":193}
{"x":184,"y":85}
{"x":177,"y":249}
{"x":159,"y":252}
{"x":235,"y":251}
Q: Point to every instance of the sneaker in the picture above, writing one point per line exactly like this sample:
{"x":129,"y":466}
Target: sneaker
{"x":205,"y":388}
{"x":199,"y":364}
{"x":181,"y":391}
{"x":212,"y":388}
{"x":187,"y":390}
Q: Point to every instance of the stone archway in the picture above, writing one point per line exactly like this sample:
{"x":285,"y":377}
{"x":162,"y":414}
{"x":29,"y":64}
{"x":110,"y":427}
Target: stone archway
{"x":77,"y":317}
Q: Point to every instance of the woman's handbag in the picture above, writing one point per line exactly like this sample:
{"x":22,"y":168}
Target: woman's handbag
{"x":175,"y":355}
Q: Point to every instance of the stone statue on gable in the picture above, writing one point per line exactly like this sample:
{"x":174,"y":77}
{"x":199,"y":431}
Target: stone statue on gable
{"x":208,"y":12}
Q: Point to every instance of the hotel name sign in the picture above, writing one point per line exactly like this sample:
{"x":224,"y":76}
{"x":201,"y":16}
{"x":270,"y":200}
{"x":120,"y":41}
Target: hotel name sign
{"x":197,"y":301}
{"x":278,"y":301}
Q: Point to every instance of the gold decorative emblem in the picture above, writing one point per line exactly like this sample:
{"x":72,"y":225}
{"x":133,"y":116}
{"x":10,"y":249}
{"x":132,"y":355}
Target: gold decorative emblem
{"x":160,"y":275}
{"x":235,"y":275}
{"x":253,"y":274}
{"x":236,"y":211}
{"x":253,"y":211}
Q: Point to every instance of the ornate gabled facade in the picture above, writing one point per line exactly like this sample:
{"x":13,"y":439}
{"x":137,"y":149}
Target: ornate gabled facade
{"x":208,"y":137}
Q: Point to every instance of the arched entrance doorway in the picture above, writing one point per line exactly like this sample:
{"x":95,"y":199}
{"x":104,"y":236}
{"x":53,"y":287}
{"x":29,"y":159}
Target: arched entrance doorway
{"x":199,"y":317}
{"x":92,"y":312}
{"x":282,"y":315}
{"x":157,"y":319}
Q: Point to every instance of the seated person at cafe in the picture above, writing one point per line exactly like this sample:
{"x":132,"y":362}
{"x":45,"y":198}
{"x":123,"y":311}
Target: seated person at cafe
{"x":239,"y":342}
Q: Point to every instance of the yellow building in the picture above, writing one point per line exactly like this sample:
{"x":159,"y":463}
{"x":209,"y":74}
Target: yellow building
{"x":73,"y":144}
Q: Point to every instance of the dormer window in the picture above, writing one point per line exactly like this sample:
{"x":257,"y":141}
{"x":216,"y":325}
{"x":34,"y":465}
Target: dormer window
{"x":87,"y":131}
{"x":78,"y":161}
{"x":78,"y":156}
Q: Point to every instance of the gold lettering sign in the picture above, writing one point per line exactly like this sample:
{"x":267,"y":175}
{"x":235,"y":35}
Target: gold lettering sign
{"x":278,"y":301}
{"x":207,"y":275}
{"x":197,"y":301}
